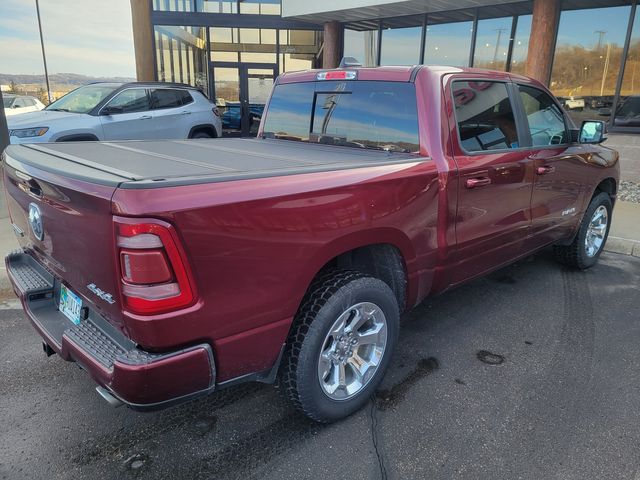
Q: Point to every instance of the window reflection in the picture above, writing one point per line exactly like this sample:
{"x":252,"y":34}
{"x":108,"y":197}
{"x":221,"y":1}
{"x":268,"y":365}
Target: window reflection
{"x":260,"y":7}
{"x":345,"y":114}
{"x":492,"y":43}
{"x":401,"y":46}
{"x":587,"y":59}
{"x":628,"y":111}
{"x":174,"y":5}
{"x":363,"y":46}
{"x":521,"y":45}
{"x":181,"y":55}
{"x":299,"y":49}
{"x":448,"y":44}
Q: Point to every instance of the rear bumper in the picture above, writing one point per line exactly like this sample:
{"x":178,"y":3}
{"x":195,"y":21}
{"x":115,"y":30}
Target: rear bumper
{"x":141,"y":379}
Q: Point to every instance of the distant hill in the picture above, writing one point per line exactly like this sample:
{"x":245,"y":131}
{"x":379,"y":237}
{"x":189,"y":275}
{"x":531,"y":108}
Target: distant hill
{"x":58,"y":78}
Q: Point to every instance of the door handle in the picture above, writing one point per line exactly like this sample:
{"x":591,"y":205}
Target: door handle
{"x":545,"y":169}
{"x":477,"y":182}
{"x":145,"y":117}
{"x":186,"y":112}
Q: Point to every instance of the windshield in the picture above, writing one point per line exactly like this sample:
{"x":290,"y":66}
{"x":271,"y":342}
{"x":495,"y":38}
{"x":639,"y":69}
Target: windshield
{"x":83,"y":99}
{"x":6,"y":101}
{"x":360,"y":114}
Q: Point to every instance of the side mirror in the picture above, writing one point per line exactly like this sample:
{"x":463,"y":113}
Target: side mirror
{"x":108,"y":110}
{"x":604,"y":112}
{"x":592,"y":131}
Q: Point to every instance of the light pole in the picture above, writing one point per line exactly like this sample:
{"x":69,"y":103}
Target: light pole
{"x":44,"y":56}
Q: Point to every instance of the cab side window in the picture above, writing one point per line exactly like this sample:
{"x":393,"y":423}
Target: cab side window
{"x":546,"y":120}
{"x":484,"y":116}
{"x":129,"y":101}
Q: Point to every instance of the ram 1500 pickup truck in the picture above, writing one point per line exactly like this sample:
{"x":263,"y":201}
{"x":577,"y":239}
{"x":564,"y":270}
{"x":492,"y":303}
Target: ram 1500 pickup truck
{"x":171,"y":269}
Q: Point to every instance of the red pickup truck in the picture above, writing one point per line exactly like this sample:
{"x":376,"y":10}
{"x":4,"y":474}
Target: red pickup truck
{"x":171,"y":269}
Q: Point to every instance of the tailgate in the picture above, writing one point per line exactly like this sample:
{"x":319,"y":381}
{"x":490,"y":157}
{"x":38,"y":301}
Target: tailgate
{"x":76,"y":240}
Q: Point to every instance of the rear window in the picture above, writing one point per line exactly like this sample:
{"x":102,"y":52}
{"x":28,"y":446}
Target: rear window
{"x":360,"y":114}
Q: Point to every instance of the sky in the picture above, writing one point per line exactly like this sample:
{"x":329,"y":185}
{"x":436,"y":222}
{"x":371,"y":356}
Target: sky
{"x":90,"y":37}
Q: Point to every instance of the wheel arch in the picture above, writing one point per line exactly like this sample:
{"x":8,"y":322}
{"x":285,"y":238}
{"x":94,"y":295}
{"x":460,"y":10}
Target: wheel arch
{"x":608,"y":186}
{"x":78,"y":137}
{"x":205,"y":127}
{"x":383,"y":253}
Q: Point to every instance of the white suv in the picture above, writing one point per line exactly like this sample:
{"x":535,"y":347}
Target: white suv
{"x":117,"y":111}
{"x":16,"y":104}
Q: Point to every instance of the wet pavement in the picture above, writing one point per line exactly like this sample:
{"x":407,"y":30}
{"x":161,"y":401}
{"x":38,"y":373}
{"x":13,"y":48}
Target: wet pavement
{"x":532,"y":372}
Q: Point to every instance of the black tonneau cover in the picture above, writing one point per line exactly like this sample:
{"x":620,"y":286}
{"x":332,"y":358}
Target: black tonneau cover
{"x":149,"y":164}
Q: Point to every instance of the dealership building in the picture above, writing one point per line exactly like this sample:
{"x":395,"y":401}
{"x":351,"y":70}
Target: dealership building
{"x":586,"y":51}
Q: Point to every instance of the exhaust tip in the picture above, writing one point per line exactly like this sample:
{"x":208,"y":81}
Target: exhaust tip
{"x":111,"y":400}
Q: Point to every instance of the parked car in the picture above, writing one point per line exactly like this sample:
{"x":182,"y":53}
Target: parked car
{"x":574,"y":103}
{"x":15,"y":104}
{"x":121,"y":111}
{"x":231,"y":116}
{"x":170,"y":270}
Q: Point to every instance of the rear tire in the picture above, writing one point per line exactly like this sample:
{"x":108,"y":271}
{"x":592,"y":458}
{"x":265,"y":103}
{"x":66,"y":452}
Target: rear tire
{"x":201,"y":135}
{"x":592,"y":235}
{"x":340,"y":345}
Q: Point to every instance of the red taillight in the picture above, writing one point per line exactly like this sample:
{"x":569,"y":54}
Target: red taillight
{"x":153,"y":271}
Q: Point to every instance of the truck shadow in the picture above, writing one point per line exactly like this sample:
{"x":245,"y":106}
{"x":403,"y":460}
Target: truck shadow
{"x":236,"y":432}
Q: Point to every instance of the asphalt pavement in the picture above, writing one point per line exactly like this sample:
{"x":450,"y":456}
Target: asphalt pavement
{"x":532,"y":372}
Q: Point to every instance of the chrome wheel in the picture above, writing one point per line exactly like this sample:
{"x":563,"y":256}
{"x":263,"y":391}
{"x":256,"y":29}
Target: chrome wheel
{"x":352,"y":351}
{"x":596,"y":231}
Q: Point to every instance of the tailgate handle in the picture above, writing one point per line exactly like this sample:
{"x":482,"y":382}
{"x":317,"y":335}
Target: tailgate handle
{"x":31,"y":187}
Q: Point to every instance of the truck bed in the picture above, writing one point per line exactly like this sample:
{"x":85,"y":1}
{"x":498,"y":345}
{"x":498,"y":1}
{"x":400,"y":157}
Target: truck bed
{"x":151,"y":164}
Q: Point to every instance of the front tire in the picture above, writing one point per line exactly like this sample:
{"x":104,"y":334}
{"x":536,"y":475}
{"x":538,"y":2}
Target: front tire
{"x":340,"y":345}
{"x":591,"y":237}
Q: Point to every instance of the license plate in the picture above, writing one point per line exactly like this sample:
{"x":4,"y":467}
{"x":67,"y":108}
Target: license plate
{"x":70,"y":304}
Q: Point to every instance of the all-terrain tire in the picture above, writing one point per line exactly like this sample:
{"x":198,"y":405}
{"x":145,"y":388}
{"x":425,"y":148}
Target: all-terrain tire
{"x":576,"y":254}
{"x":328,"y":298}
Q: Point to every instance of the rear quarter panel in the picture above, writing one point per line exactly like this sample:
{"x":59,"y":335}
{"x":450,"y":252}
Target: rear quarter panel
{"x":255,"y":245}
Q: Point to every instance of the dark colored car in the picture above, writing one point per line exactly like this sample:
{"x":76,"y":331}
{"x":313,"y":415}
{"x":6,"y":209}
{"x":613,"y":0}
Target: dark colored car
{"x":231,"y":116}
{"x":171,"y":269}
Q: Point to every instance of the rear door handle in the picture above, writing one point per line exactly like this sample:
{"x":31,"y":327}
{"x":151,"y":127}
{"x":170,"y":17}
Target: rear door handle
{"x":545,"y":169}
{"x":186,"y":112}
{"x":477,"y":182}
{"x":145,"y":117}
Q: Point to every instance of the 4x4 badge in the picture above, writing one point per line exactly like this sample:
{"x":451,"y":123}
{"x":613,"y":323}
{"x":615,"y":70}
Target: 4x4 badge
{"x":107,"y":297}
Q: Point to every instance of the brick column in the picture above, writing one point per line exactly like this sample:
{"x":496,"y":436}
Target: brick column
{"x":143,"y":39}
{"x":332,"y":51}
{"x":544,"y":26}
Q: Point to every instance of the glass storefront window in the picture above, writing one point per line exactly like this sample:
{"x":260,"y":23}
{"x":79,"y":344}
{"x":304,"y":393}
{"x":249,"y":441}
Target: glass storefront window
{"x":401,"y":46}
{"x":298,"y":49}
{"x":181,"y":55}
{"x":174,"y":5}
{"x":255,"y":45}
{"x":627,"y":112}
{"x":521,"y":45}
{"x":260,"y":7}
{"x":363,"y":46}
{"x":218,"y":6}
{"x":587,"y":59}
{"x":492,"y":43}
{"x":448,"y":44}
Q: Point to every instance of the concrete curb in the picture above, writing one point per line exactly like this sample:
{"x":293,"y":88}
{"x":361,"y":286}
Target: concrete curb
{"x":624,"y":246}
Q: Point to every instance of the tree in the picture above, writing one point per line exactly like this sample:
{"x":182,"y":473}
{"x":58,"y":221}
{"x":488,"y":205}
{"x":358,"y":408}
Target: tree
{"x":14,"y":87}
{"x":42,"y":96}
